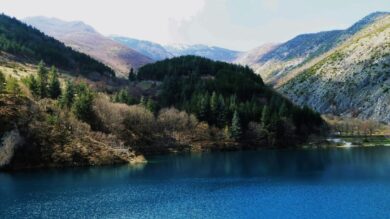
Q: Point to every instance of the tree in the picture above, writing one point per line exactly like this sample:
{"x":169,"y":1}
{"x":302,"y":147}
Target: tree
{"x":132,"y":76}
{"x":283,"y":110}
{"x":235,"y":131}
{"x":221,"y":112}
{"x":42,"y":79}
{"x":82,"y":106}
{"x":67,"y":96}
{"x":150,"y":105}
{"x":12,"y":86}
{"x":32,"y":84}
{"x":265,"y":117}
{"x":214,"y":107}
{"x":54,"y":88}
{"x":2,"y":82}
{"x":204,"y":107}
{"x":143,"y":101}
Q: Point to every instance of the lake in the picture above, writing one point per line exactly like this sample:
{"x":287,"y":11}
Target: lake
{"x":291,"y":183}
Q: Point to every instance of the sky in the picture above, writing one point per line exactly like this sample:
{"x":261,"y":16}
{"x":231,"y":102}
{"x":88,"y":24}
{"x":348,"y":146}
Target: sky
{"x":234,"y":24}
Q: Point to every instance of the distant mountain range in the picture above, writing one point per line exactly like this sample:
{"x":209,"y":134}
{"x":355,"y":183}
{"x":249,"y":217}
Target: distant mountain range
{"x":84,"y":38}
{"x":160,"y":52}
{"x":342,"y":72}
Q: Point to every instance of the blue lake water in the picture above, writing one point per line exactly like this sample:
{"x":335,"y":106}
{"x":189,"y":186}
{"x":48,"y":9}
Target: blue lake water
{"x":327,"y":183}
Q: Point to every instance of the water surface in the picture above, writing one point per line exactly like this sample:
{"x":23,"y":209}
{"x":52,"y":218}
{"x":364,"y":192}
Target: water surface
{"x":331,"y":183}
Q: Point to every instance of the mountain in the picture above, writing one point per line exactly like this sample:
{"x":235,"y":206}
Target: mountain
{"x":281,"y":60}
{"x":210,"y":52}
{"x":25,"y":44}
{"x":351,"y":79}
{"x":85,"y":39}
{"x":153,"y":50}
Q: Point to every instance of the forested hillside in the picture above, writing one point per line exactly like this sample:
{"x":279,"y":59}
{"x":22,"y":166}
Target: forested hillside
{"x":221,"y":93}
{"x":28,"y":44}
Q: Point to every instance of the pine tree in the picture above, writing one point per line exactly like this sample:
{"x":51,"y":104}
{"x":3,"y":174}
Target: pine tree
{"x":283,"y":111}
{"x":265,"y":117}
{"x":2,"y":82}
{"x":235,"y":131}
{"x":150,"y":105}
{"x":132,"y":76}
{"x":54,"y":89}
{"x":42,"y":79}
{"x":143,"y":101}
{"x":67,"y":96}
{"x":204,"y":107}
{"x":82,"y":106}
{"x":214,"y":107}
{"x":221,"y":112}
{"x":33,"y":86}
{"x":12,"y":86}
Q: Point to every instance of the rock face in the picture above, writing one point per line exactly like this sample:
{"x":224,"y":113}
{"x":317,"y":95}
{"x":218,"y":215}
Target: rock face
{"x":282,"y":59}
{"x":352,"y":79}
{"x":85,"y":39}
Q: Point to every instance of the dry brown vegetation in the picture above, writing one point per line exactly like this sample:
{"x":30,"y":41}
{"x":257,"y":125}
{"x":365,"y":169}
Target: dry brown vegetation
{"x":356,"y":127}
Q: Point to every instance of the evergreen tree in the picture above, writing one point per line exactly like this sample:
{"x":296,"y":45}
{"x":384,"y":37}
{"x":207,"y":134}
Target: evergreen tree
{"x":204,"y":107}
{"x":214,"y":107}
{"x":132,"y":76}
{"x":82,"y":106}
{"x":235,"y":131}
{"x":265,"y":117}
{"x":67,"y":96}
{"x":2,"y":82}
{"x":221,"y":112}
{"x":143,"y":101}
{"x":33,"y":86}
{"x":12,"y":86}
{"x":42,"y":79}
{"x":54,"y":89}
{"x":150,"y":105}
{"x":283,"y":111}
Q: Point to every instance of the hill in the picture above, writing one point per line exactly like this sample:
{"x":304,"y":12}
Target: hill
{"x":353,"y":78}
{"x":219,"y":92}
{"x":85,"y":39}
{"x":210,"y":52}
{"x":23,"y":43}
{"x":281,"y":60}
{"x":153,"y":50}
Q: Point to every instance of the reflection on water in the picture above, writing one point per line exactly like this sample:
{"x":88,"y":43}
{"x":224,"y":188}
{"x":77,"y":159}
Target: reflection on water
{"x":209,"y":185}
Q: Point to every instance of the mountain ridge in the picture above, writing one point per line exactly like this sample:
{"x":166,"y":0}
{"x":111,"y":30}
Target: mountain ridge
{"x":86,"y":39}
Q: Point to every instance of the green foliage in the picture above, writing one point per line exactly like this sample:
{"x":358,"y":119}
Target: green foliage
{"x":265,"y":117}
{"x":12,"y":86}
{"x":33,"y":85}
{"x":151,"y":105}
{"x":132,"y":76}
{"x":189,"y":81}
{"x":191,"y":65}
{"x":235,"y":130}
{"x":20,"y":39}
{"x":82,"y":105}
{"x":123,"y":96}
{"x":54,"y":87}
{"x":2,"y":82}
{"x":67,"y":97}
{"x":42,"y":79}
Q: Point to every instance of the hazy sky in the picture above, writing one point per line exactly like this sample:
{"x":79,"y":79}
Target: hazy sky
{"x":235,"y":24}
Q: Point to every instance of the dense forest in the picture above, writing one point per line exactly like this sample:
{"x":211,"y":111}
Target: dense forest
{"x":226,"y":96}
{"x":21,"y":40}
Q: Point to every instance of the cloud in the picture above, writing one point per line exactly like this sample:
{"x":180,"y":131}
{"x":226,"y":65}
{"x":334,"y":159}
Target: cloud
{"x":271,"y":5}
